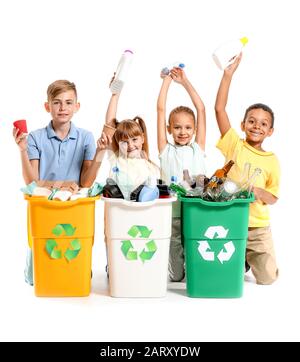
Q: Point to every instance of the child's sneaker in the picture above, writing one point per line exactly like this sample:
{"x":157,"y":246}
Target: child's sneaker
{"x":247,"y":267}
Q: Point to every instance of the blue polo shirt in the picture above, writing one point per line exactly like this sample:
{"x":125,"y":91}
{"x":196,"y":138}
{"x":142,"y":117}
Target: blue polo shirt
{"x":60,"y":159}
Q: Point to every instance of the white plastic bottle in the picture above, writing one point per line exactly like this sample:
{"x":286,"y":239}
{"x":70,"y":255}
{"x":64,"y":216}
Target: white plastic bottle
{"x":225,"y":54}
{"x":121,"y":72}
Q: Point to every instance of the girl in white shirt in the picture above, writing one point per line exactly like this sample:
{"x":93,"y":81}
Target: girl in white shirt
{"x":183,"y":153}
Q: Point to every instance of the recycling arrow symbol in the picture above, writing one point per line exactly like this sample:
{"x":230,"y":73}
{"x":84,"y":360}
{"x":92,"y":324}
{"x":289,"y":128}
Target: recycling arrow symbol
{"x":51,"y":244}
{"x":204,"y":247}
{"x":126,"y":250}
{"x":138,"y":231}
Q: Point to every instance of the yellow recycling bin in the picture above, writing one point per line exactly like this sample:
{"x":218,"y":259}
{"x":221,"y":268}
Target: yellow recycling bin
{"x":62,"y":236}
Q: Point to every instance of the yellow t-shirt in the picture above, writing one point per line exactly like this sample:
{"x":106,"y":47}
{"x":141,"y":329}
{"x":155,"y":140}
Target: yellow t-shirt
{"x":238,"y":150}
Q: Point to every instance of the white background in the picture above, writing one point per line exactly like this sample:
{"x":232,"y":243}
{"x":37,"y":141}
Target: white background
{"x":42,"y":41}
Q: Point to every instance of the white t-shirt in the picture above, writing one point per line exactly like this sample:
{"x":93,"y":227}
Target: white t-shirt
{"x":129,"y":173}
{"x":174,"y":159}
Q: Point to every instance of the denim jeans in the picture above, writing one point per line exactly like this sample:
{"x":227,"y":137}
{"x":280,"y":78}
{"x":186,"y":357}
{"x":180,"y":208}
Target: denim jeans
{"x":28,"y":271}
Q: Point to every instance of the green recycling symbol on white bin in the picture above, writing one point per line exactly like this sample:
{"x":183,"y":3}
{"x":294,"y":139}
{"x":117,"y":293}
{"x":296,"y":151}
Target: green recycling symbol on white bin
{"x":204,"y":247}
{"x":127,"y":248}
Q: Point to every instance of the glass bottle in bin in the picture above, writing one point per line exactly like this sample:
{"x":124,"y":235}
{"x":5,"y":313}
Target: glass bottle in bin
{"x":247,"y":187}
{"x":219,"y":176}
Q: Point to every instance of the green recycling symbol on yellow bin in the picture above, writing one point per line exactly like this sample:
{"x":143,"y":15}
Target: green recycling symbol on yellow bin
{"x":127,"y":248}
{"x":51,"y":244}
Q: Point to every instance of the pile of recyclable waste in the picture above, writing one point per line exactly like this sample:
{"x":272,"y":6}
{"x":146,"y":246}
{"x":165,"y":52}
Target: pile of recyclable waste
{"x":219,"y":187}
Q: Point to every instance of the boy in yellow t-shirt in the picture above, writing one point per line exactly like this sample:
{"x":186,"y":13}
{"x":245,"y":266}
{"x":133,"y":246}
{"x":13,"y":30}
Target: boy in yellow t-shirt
{"x":258,"y":123}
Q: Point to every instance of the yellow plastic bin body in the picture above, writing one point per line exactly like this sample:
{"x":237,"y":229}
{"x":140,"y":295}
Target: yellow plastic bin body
{"x":62,"y":236}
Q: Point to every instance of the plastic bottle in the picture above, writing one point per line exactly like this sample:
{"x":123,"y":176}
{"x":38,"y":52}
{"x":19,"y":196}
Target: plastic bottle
{"x":150,"y":191}
{"x":187,"y":178}
{"x":228,"y":190}
{"x":225,"y":54}
{"x":121,"y":72}
{"x":166,"y":70}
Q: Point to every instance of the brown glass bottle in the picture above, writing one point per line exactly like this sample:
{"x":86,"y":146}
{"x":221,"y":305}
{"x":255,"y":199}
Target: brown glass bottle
{"x":219,"y":175}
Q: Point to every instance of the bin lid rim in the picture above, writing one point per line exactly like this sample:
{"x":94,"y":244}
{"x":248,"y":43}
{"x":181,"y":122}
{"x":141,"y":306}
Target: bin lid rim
{"x":214,"y":203}
{"x":138,"y":204}
{"x":44,"y":200}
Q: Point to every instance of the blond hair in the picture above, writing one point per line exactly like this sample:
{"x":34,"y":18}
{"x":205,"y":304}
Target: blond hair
{"x":59,"y":86}
{"x":182,"y":109}
{"x":130,"y":128}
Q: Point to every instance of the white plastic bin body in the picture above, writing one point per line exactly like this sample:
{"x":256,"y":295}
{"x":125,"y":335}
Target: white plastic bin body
{"x":138,"y":241}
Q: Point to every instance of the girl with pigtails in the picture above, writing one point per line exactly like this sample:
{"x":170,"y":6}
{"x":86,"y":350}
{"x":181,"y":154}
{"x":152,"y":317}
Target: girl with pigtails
{"x":129,"y":150}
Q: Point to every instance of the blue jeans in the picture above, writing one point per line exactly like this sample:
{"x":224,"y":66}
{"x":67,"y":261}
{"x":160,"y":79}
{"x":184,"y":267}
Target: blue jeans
{"x":28,"y":271}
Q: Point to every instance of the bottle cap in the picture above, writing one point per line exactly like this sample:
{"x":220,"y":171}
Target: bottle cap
{"x":173,"y":178}
{"x":181,"y":65}
{"x":244,"y":40}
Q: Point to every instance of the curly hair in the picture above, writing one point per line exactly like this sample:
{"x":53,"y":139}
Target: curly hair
{"x":262,"y":106}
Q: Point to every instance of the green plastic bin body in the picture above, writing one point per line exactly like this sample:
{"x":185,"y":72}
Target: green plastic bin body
{"x":215,"y":235}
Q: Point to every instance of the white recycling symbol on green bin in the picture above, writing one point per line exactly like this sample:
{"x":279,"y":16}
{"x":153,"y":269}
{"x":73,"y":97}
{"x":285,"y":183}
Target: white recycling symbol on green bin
{"x":51,"y":244}
{"x":127,"y":248}
{"x":205,"y":250}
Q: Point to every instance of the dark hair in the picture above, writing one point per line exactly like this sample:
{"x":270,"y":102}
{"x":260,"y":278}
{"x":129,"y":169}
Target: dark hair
{"x":263,"y":107}
{"x":182,"y":109}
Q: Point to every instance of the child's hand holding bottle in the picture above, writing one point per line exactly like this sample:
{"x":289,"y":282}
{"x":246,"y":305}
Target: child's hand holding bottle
{"x":104,"y":141}
{"x":178,"y":75}
{"x":233,"y":66}
{"x":164,"y":73}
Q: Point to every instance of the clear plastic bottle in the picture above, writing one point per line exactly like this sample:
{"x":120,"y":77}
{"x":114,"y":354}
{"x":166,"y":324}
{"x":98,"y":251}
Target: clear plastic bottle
{"x":121,"y":72}
{"x":225,"y":54}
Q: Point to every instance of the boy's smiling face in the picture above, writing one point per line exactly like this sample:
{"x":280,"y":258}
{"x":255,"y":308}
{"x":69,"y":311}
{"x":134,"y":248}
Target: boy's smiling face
{"x":257,"y":126}
{"x":62,"y":107}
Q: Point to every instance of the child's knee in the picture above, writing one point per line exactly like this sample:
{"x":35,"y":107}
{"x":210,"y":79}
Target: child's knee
{"x":267,"y":281}
{"x":267,"y":276}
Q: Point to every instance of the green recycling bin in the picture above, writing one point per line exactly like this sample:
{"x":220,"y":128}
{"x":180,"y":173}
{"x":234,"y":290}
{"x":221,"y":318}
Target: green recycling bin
{"x":215,"y":235}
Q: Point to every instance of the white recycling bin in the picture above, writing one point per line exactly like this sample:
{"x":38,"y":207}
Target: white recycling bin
{"x":138,"y":241}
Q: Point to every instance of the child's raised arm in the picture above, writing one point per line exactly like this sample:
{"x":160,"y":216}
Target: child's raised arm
{"x":111,"y":112}
{"x":222,"y":97}
{"x":162,"y":139}
{"x":110,"y":118}
{"x":112,"y":107}
{"x":179,"y":76}
{"x":89,"y":168}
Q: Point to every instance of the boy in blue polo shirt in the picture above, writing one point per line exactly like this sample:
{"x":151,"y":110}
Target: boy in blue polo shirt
{"x":59,"y":151}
